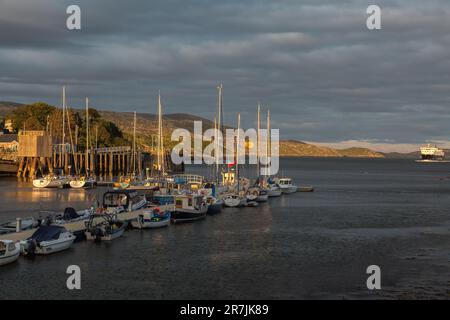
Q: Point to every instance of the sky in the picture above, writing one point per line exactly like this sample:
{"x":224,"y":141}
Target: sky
{"x":325,"y":77}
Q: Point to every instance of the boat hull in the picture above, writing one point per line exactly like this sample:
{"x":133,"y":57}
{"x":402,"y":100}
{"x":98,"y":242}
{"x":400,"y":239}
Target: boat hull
{"x":262,"y":198}
{"x":48,"y":183}
{"x":186,"y":216}
{"x":10,"y":257}
{"x":49,"y":247}
{"x":274,"y":192}
{"x":288,"y":190}
{"x":214,"y":208}
{"x":150,"y":224}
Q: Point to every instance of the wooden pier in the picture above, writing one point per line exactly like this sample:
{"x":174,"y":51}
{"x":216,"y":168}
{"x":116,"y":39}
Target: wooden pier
{"x":38,"y":156}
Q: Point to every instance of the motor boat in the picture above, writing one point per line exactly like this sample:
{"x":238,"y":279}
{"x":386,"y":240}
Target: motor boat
{"x":128,"y":200}
{"x":83,"y":183}
{"x":48,"y":239}
{"x":9,"y":251}
{"x":263,"y":195}
{"x":189,"y":207}
{"x":234,"y":200}
{"x":104,"y":227}
{"x":286,"y":185}
{"x":51,"y":182}
{"x":152,"y":218}
{"x":19,"y":225}
{"x":69,"y":215}
{"x":214,"y":205}
{"x":273,"y":190}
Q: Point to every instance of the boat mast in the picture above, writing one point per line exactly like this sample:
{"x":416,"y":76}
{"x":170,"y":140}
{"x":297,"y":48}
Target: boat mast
{"x":87,"y":138}
{"x":237,"y":151}
{"x":268,"y":146}
{"x":160,"y":138}
{"x":134,"y":144}
{"x":258,"y":143}
{"x":63,"y":126}
{"x":219,"y":129}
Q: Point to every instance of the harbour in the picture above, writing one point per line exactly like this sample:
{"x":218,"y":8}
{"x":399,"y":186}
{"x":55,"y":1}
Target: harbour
{"x":302,"y":245}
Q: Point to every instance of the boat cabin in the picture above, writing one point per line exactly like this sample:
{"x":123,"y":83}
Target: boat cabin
{"x":191,"y":202}
{"x":285,"y":182}
{"x":6,"y":246}
{"x":120,"y":198}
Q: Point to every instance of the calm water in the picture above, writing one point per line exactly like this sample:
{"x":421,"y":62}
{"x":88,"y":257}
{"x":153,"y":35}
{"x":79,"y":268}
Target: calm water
{"x":392,"y":213}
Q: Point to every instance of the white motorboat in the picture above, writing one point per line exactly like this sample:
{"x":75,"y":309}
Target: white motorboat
{"x":234,"y":200}
{"x":129,"y":200}
{"x":48,"y":239}
{"x":273,"y":190}
{"x":83,"y":183}
{"x":9,"y":251}
{"x":286,"y":185}
{"x":50,"y":182}
{"x":263,"y":195}
{"x":107,"y":229}
{"x":152,"y":218}
{"x":21,"y":224}
{"x":71,"y":215}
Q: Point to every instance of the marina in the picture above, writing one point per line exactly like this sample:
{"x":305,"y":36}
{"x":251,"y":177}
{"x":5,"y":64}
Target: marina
{"x":390,"y":211}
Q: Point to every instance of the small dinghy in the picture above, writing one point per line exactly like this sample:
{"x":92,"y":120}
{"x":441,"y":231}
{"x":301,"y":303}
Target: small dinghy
{"x":83,"y":183}
{"x":233,"y":200}
{"x":9,"y":251}
{"x":48,"y":239}
{"x":152,"y":218}
{"x":104,"y":227}
{"x":305,"y":189}
{"x":50,"y":182}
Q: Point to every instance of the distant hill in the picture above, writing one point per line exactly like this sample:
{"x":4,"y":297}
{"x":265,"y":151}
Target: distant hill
{"x":7,"y":107}
{"x":295,"y":148}
{"x":360,"y":153}
{"x":147,"y":126}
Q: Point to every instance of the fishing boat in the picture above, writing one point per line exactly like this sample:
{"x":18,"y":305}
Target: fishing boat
{"x":286,"y":185}
{"x":152,"y":218}
{"x":233,"y":200}
{"x":189,"y":207}
{"x":9,"y":251}
{"x":48,"y":239}
{"x":124,"y":200}
{"x":51,"y":182}
{"x":104,"y":227}
{"x":214,"y":205}
{"x":19,"y":225}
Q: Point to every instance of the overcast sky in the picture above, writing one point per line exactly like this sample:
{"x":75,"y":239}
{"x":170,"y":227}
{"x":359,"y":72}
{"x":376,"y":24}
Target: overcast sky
{"x":325,"y":76}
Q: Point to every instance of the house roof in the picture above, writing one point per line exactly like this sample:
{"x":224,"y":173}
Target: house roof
{"x":7,"y":138}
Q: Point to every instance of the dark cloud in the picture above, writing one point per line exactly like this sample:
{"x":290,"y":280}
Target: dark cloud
{"x":314,"y":63}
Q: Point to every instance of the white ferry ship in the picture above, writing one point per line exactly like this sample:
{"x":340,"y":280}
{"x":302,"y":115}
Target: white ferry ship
{"x":430,"y":153}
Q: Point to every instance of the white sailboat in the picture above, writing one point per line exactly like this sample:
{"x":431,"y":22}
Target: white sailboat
{"x":273,"y":190}
{"x":236,"y":199}
{"x":86,"y":181}
{"x":54,"y":181}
